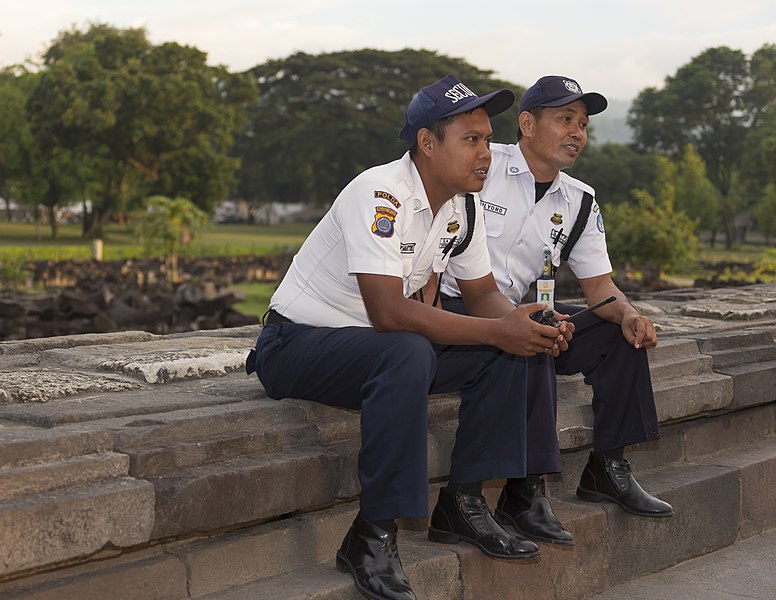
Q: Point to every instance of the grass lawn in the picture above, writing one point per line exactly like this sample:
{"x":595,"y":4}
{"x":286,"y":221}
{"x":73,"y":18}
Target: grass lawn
{"x":26,"y":241}
{"x":20,"y":242}
{"x":256,"y":298}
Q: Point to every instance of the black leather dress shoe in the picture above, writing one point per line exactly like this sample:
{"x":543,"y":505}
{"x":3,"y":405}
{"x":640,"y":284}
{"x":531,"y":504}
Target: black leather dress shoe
{"x":611,"y":479}
{"x":371,"y":556}
{"x":458,"y":517}
{"x":525,"y":507}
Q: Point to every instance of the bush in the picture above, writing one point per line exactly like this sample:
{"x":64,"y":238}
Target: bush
{"x":649,"y":236}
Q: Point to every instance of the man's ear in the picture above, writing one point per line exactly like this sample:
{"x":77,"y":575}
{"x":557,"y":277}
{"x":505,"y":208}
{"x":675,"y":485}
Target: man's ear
{"x":526,"y":122}
{"x":426,"y":141}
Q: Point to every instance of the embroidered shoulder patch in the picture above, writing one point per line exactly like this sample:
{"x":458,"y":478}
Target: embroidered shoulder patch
{"x":383,"y":223}
{"x":389,"y":197}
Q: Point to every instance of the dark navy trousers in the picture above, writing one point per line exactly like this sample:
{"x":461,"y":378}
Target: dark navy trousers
{"x":623,"y":403}
{"x":388,"y":377}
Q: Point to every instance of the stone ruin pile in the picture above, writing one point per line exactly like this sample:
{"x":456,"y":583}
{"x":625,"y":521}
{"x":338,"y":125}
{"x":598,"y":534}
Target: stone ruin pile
{"x":100,"y":297}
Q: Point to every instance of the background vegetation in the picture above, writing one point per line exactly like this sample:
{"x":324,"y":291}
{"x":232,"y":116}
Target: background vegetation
{"x":107,"y":120}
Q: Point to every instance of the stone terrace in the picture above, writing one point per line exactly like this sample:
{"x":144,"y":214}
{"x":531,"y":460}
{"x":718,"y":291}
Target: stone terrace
{"x":141,"y":466}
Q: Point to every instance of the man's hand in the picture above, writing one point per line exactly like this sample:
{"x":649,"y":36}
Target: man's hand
{"x":525,"y":337}
{"x":639,"y":331}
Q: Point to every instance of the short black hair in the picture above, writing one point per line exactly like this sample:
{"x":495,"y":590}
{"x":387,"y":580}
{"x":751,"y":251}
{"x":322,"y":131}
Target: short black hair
{"x":438,"y":129}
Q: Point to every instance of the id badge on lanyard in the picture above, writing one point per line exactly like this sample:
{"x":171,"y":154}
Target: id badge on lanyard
{"x":545,"y":285}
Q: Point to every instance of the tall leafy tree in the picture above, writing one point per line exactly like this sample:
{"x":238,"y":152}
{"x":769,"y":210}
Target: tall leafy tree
{"x":322,"y":119}
{"x":138,"y":118}
{"x":710,"y":103}
{"x":764,"y":212}
{"x":696,"y":196}
{"x":614,"y":170}
{"x":15,"y":136}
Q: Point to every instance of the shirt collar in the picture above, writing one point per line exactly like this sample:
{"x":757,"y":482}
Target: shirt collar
{"x":517,"y":165}
{"x":419,"y":198}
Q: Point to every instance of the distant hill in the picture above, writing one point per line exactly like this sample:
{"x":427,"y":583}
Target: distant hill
{"x":610,"y":125}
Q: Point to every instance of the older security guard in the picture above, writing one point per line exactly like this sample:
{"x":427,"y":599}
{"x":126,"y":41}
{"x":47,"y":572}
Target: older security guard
{"x":531,"y":208}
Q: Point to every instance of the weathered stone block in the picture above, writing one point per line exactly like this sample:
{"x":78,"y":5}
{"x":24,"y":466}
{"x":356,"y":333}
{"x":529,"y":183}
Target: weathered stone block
{"x":74,"y":522}
{"x":164,"y":360}
{"x":27,"y":481}
{"x":38,"y":385}
{"x":155,"y":578}
{"x":692,"y":395}
{"x":710,"y":435}
{"x":226,"y":493}
{"x":265,"y":551}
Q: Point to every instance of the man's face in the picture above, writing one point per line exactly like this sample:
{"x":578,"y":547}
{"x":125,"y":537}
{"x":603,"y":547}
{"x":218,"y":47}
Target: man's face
{"x":557,"y":136}
{"x":462,"y":158}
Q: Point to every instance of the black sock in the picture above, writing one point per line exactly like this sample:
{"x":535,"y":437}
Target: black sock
{"x":516,"y":482}
{"x":473,"y":488}
{"x":388,"y":526}
{"x":615,"y":454}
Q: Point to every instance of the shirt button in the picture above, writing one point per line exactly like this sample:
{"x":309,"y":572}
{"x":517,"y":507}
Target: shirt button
{"x":519,"y":242}
{"x":531,"y":213}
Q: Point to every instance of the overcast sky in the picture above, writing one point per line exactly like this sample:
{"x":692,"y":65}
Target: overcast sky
{"x":617,"y":48}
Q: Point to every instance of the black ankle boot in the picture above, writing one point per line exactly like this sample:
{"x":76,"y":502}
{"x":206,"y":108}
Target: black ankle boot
{"x":525,"y":507}
{"x":371,"y":556}
{"x":611,"y":479}
{"x":459,"y":517}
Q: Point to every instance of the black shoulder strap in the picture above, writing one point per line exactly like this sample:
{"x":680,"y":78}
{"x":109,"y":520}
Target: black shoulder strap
{"x":579,"y":226}
{"x":470,"y":214}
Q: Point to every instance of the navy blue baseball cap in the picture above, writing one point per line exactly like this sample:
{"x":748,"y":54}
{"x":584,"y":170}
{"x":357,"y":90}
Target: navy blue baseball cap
{"x":556,"y":90}
{"x":446,"y":98}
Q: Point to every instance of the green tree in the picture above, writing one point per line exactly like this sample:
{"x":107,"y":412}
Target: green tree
{"x":15,"y":136}
{"x":764,"y":212}
{"x":707,"y":103}
{"x":138,"y":118}
{"x":166,"y":224}
{"x":758,"y":160}
{"x":649,"y":235}
{"x":695,"y":194}
{"x":320,"y":120}
{"x":614,"y":170}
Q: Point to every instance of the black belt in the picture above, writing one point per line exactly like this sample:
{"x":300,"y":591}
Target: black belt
{"x":273,"y":317}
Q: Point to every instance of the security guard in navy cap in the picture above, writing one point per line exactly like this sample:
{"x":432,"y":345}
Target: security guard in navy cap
{"x":536,"y":215}
{"x":344,"y":329}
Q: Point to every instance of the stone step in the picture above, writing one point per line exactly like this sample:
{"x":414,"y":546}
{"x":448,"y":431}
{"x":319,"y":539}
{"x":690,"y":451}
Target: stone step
{"x":74,"y":522}
{"x":753,"y":384}
{"x":292,"y":558}
{"x":714,"y":342}
{"x":741,"y":356}
{"x":672,"y":359}
{"x":18,"y":482}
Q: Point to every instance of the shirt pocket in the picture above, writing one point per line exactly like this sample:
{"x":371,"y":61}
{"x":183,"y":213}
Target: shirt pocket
{"x":494,"y":228}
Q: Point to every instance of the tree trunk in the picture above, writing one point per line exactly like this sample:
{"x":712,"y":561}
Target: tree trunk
{"x":94,"y":223}
{"x":52,"y":218}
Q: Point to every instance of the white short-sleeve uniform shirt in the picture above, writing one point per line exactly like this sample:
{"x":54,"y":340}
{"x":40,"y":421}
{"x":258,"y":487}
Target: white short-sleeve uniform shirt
{"x":519,"y":230}
{"x":381,"y":223}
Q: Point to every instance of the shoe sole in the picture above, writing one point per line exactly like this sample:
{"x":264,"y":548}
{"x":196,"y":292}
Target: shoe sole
{"x":504,"y":519}
{"x":446,"y":537}
{"x":345,"y":567}
{"x":591,"y":496}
